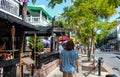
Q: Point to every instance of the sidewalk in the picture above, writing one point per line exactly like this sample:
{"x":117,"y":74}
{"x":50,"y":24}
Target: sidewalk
{"x":94,"y":73}
{"x":83,"y":64}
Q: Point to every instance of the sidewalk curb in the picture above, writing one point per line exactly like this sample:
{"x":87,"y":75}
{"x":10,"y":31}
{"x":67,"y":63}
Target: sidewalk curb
{"x":107,"y":68}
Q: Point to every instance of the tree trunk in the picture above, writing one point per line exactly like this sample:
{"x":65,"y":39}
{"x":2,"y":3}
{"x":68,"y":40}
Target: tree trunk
{"x":92,"y":48}
{"x":92,"y":43}
{"x":24,"y":11}
{"x":85,"y":46}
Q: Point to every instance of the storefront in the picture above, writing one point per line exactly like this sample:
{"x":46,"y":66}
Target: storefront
{"x":12,"y":31}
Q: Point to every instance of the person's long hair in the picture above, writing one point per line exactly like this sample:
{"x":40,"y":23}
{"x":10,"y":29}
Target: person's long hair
{"x":69,"y":45}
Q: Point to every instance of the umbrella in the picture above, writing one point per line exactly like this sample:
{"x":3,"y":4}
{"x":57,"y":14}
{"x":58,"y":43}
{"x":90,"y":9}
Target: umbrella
{"x":62,"y":38}
{"x":45,"y":41}
{"x":63,"y":42}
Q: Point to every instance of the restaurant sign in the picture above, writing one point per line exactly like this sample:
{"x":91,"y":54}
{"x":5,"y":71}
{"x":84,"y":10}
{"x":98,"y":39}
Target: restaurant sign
{"x":10,"y":6}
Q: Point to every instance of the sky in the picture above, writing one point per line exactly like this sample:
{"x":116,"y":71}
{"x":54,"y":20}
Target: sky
{"x":59,"y":8}
{"x":116,"y":15}
{"x":56,"y":10}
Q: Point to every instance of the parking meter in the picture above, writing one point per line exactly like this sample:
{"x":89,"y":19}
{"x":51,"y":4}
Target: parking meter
{"x":100,"y":61}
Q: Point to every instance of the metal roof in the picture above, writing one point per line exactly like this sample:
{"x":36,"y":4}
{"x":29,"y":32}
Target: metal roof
{"x":37,"y":8}
{"x":6,"y":18}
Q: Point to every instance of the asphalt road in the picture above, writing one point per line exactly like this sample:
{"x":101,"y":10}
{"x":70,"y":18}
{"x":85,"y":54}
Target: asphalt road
{"x":111,"y":60}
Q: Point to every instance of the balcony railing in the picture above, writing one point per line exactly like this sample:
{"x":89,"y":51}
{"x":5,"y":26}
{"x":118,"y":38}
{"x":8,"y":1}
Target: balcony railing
{"x":10,"y":6}
{"x":37,"y":21}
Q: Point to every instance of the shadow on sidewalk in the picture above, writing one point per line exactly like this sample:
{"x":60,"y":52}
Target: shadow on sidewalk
{"x":91,"y":70}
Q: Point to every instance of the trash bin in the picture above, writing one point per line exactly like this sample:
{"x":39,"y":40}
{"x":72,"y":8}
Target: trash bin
{"x":111,"y":75}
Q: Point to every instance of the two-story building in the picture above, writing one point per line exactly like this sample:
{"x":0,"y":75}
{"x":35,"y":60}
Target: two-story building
{"x":37,"y":15}
{"x":12,"y":30}
{"x":114,"y":37}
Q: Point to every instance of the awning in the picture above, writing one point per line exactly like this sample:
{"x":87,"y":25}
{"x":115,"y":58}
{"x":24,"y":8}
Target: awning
{"x":27,"y":60}
{"x":42,"y":31}
{"x":4,"y":17}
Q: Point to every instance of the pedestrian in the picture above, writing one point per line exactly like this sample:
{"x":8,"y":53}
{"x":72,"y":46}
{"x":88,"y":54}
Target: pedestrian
{"x":62,"y":46}
{"x":69,"y":60}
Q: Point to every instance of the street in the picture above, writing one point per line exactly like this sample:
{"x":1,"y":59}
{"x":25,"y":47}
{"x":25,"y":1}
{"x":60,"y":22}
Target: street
{"x":111,"y":59}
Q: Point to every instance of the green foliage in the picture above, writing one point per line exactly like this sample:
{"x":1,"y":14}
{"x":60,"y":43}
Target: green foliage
{"x":31,"y":42}
{"x":52,"y":3}
{"x":33,"y":1}
{"x":39,"y":44}
{"x":86,"y":15}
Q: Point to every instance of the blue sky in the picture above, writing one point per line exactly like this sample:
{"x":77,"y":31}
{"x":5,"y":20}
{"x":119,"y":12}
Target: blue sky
{"x":59,"y":8}
{"x":56,"y":10}
{"x":116,"y":15}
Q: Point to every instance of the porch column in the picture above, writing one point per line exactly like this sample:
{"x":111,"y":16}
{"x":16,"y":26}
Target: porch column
{"x":40,"y":15}
{"x":31,"y":19}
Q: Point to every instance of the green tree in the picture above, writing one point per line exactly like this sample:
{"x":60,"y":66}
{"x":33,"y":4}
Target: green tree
{"x":88,"y":14}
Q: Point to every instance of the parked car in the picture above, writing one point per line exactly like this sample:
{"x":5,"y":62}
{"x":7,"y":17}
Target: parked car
{"x":105,"y":48}
{"x":102,"y":48}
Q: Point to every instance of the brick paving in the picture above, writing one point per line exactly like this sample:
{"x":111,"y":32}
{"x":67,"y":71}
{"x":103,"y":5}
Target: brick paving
{"x":52,"y":69}
{"x":83,"y":64}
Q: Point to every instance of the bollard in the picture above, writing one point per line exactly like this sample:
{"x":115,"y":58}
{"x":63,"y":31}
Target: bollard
{"x":100,"y":60}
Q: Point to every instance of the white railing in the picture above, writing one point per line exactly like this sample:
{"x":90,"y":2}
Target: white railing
{"x":37,"y":21}
{"x":10,"y":6}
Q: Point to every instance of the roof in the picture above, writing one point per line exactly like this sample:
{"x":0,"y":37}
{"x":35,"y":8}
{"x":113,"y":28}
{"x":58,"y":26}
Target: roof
{"x":43,"y":31}
{"x":38,"y":8}
{"x":9,"y":19}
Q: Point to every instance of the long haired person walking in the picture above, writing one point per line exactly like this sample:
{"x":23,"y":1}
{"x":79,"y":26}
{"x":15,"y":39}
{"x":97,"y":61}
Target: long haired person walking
{"x":69,"y":60}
